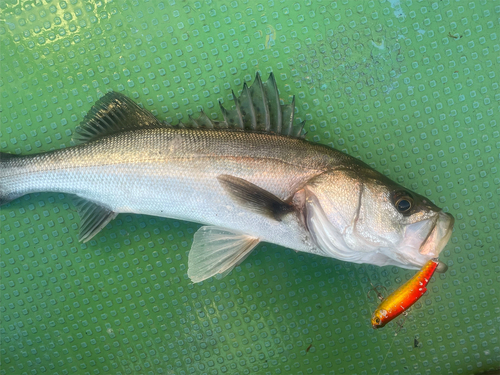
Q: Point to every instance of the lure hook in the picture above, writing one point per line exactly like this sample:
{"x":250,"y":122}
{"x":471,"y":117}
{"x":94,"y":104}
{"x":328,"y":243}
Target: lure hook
{"x":375,"y":289}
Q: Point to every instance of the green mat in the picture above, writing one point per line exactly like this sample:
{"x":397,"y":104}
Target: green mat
{"x":411,"y":87}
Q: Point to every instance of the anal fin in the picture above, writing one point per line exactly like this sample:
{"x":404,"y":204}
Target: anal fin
{"x":94,"y":217}
{"x":216,"y":251}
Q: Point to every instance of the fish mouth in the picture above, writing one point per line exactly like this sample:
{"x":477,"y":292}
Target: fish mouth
{"x":438,"y":236}
{"x":424,"y":240}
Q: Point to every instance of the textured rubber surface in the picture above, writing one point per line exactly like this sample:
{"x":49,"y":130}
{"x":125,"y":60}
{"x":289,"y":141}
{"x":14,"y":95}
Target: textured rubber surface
{"x":411,"y":87}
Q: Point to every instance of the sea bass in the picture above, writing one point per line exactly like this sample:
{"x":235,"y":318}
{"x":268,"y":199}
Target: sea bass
{"x":251,"y":178}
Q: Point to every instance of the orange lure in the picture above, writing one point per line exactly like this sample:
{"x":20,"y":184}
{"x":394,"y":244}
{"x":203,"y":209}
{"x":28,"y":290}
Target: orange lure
{"x":406,"y":295}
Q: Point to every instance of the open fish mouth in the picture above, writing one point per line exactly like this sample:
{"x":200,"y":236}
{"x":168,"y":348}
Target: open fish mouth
{"x":438,"y":236}
{"x":424,"y":240}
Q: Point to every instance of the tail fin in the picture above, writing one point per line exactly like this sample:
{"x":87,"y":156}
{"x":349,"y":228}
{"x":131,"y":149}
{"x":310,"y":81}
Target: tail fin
{"x":5,"y":163}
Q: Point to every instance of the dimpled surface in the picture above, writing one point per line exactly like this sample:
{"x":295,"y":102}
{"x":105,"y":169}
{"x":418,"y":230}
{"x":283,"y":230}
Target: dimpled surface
{"x":411,"y":87}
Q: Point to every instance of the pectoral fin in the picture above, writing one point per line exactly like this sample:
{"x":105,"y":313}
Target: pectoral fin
{"x":93,"y":216}
{"x":217,"y":251}
{"x":254,"y":198}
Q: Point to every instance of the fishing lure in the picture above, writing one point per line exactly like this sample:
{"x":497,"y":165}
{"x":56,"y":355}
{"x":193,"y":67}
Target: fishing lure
{"x":406,"y":295}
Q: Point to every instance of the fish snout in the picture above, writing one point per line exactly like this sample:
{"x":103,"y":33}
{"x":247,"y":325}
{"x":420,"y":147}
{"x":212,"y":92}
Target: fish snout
{"x":439,"y":235}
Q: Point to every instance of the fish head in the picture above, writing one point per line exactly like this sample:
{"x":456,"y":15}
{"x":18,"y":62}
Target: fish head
{"x":361,"y":216}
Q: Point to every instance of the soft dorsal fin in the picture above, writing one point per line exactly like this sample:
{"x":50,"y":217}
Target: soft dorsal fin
{"x":114,"y":113}
{"x":257,"y":109}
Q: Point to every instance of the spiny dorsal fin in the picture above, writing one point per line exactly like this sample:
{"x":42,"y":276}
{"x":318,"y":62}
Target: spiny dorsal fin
{"x":202,"y":122}
{"x":114,"y":113}
{"x":257,"y":109}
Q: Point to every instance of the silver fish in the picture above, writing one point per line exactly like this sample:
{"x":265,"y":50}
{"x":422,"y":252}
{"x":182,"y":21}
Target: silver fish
{"x":250,"y":178}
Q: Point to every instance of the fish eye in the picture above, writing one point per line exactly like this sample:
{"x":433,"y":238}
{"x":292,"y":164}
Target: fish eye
{"x":377,"y":320}
{"x":404,"y":204}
